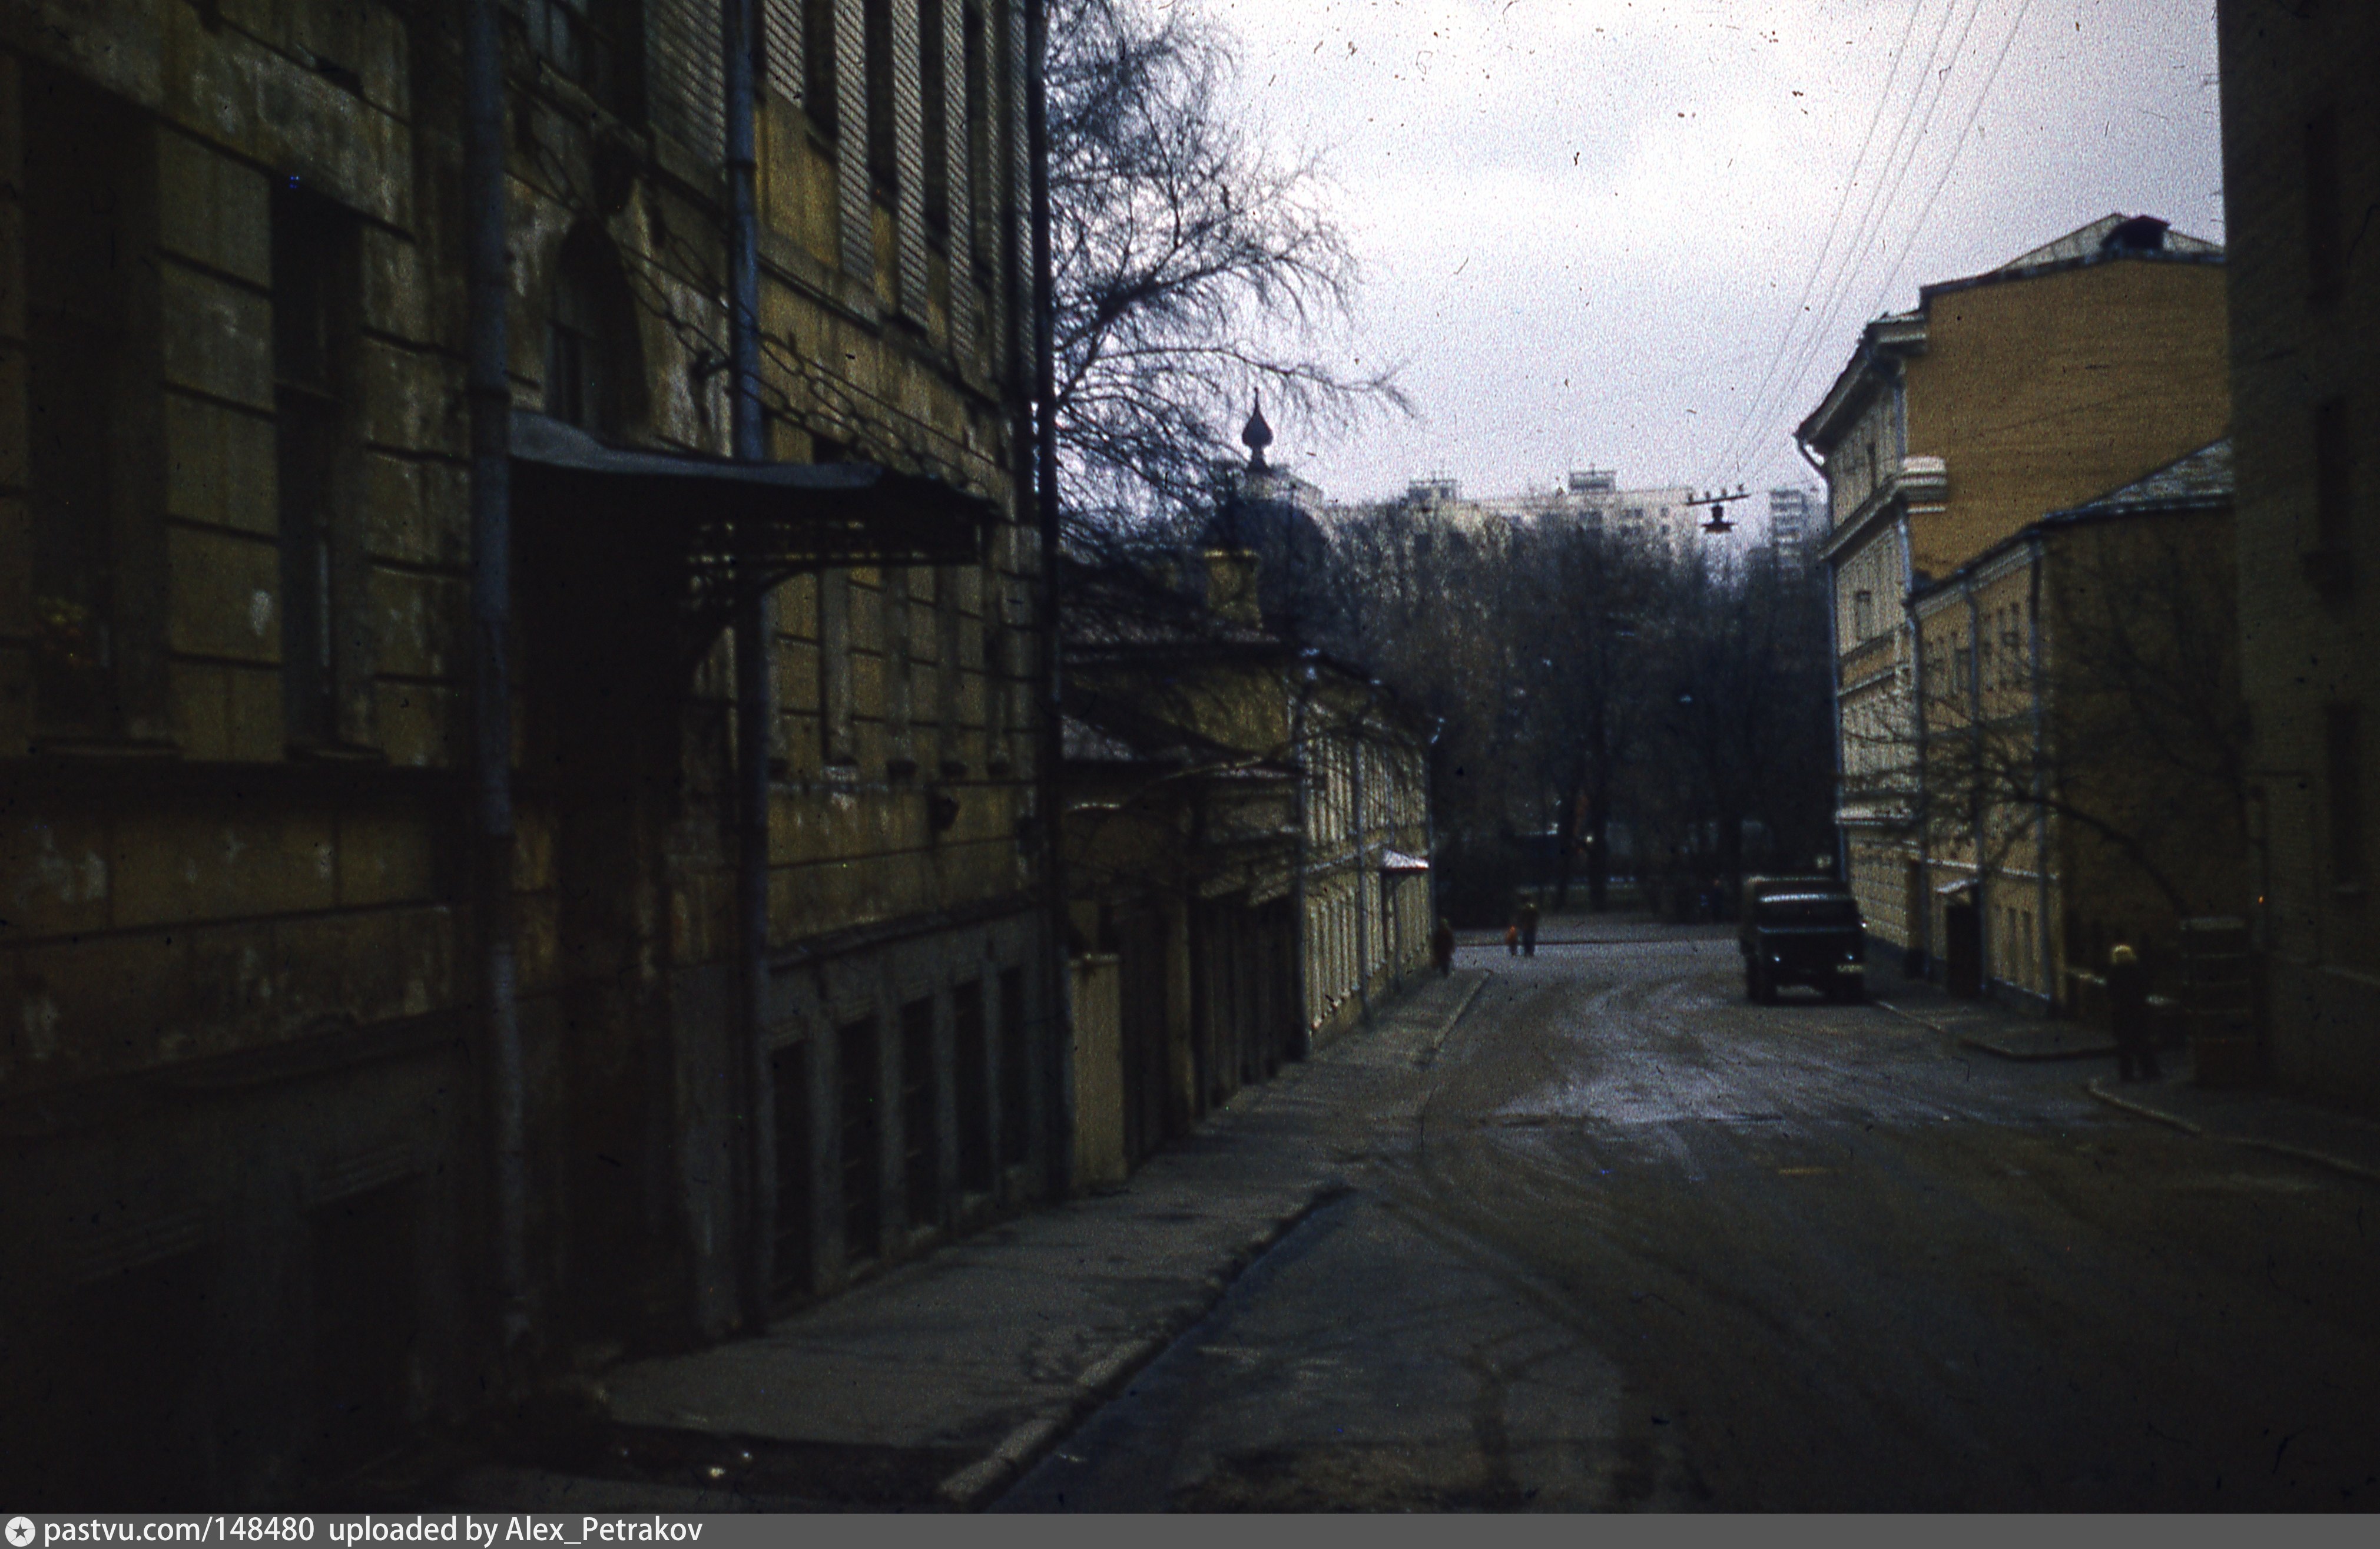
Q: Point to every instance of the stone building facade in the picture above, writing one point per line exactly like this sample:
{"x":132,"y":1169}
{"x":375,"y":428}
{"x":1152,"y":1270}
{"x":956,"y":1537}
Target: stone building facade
{"x":2064,"y":374}
{"x":2301,"y":119}
{"x":243,"y":1090}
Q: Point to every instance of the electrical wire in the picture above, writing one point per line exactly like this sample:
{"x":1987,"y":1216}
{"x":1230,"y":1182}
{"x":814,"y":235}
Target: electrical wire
{"x":1957,"y":146}
{"x":1871,"y":217}
{"x":1734,"y":441}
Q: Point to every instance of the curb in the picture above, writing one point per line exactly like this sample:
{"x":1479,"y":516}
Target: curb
{"x":1985,"y":1046}
{"x":1429,"y":1056}
{"x":2279,"y":1148}
{"x":1907,"y":1016}
{"x":974,"y":1486}
{"x":2034,"y":1056}
{"x":2141,"y":1110}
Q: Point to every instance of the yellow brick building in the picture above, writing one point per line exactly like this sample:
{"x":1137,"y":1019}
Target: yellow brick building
{"x":2300,"y":113}
{"x":2071,"y":369}
{"x":244,"y":1088}
{"x":2080,"y":770}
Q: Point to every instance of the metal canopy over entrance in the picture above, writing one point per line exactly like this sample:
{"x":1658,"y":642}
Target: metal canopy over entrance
{"x":739,"y":525}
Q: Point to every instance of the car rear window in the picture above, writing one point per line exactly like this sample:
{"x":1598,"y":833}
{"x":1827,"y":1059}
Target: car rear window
{"x":1809,"y":908}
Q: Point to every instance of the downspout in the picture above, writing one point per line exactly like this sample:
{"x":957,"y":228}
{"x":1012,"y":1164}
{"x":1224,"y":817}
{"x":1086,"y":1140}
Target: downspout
{"x":1975,"y":782}
{"x":2049,"y":978}
{"x":1300,"y":695}
{"x":1045,"y":490}
{"x":1919,"y":793}
{"x":1363,"y":838}
{"x":752,"y":707}
{"x":490,"y":397}
{"x":1429,"y":822}
{"x":1834,"y":670}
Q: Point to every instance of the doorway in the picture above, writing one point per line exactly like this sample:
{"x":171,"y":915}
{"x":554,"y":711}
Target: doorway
{"x":1962,"y":939}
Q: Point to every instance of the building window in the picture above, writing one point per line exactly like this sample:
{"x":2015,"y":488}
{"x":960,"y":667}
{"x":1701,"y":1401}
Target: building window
{"x":884,"y":143}
{"x":2333,"y":476}
{"x":2325,"y":262}
{"x":586,"y":43}
{"x":817,"y":65}
{"x":313,"y":325}
{"x":978,"y":134}
{"x":1863,"y":616}
{"x":2343,"y":770}
{"x":593,"y":376}
{"x":933,"y":86}
{"x":89,"y":202}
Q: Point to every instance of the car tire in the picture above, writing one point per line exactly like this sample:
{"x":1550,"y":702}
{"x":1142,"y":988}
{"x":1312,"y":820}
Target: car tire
{"x":1764,"y":987}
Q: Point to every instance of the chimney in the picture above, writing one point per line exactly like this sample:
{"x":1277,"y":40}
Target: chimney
{"x":1232,"y":587}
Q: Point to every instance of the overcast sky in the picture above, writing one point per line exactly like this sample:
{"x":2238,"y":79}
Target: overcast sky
{"x":1587,"y":227}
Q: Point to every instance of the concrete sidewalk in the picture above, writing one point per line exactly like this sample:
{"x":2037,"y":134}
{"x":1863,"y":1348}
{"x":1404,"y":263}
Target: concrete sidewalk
{"x":936,"y":1385}
{"x":1985,"y":1025}
{"x":2267,"y":1119}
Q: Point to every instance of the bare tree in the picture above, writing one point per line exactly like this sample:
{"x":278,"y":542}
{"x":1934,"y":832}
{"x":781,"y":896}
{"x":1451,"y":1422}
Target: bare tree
{"x":2109,"y":708}
{"x":1191,"y":266}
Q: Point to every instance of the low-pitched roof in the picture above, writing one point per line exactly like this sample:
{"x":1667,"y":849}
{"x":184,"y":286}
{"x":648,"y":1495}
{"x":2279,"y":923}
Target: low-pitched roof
{"x":2199,"y":481}
{"x":2193,"y":480}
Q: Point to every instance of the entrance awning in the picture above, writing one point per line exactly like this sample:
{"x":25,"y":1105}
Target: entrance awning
{"x":1397,"y":861}
{"x":807,"y":516}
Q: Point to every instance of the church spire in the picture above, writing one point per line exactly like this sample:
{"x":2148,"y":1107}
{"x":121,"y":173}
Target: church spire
{"x":1256,"y":436}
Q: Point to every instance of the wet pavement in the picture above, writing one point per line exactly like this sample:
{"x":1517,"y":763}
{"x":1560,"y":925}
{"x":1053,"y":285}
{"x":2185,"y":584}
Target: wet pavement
{"x":1639,"y":1243}
{"x":1582,"y":1231}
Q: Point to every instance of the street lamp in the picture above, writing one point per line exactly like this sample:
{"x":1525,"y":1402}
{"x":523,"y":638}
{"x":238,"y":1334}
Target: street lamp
{"x":1718,"y":501}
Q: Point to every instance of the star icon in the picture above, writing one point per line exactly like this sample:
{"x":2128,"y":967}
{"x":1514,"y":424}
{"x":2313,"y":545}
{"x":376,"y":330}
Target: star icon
{"x":20,"y":1532}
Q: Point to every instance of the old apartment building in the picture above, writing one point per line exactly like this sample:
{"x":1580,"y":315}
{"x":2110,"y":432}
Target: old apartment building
{"x":2083,"y":752}
{"x":263,"y":1210}
{"x":2052,"y":380}
{"x":2301,"y":119}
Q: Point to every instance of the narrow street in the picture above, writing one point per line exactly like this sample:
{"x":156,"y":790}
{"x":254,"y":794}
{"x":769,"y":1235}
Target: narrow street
{"x":1636,"y":1243}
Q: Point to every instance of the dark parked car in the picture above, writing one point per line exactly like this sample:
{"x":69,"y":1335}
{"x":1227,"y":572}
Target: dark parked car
{"x":1803,"y":931}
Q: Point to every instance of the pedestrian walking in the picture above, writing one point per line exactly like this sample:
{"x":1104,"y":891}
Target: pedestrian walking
{"x":1512,"y":939}
{"x":1528,"y":927}
{"x":1442,"y":947}
{"x":2127,"y":1014}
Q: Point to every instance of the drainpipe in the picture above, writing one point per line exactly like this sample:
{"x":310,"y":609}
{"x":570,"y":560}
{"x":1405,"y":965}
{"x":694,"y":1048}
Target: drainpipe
{"x":1919,"y":794}
{"x":752,"y":707}
{"x":489,"y":392}
{"x":2051,"y":983}
{"x":1430,"y":820}
{"x":1363,"y":838}
{"x":1300,"y":694}
{"x":1834,"y":670}
{"x":1045,"y":490}
{"x":1975,"y":785}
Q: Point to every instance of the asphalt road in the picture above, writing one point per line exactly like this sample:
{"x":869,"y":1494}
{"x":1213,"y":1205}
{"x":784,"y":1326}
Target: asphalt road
{"x":1646,"y":1246}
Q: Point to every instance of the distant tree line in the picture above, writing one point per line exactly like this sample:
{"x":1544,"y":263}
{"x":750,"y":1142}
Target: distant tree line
{"x":1607,"y":705}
